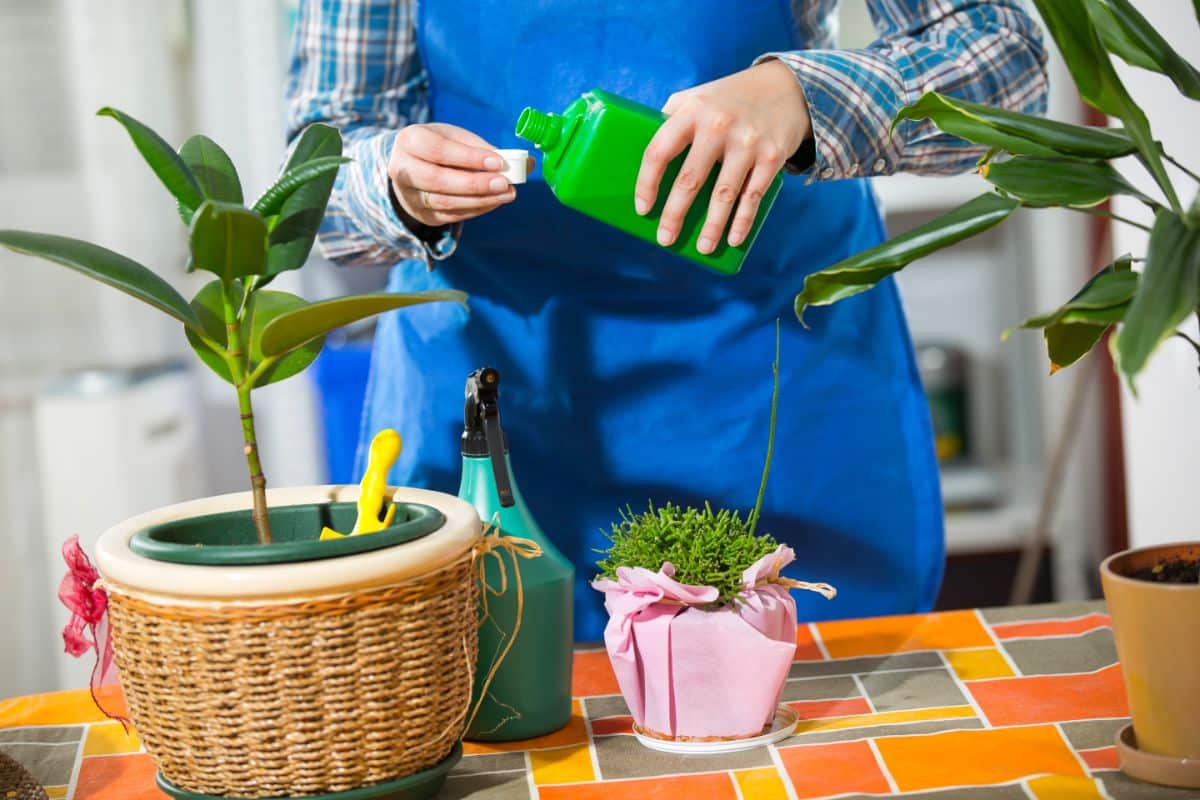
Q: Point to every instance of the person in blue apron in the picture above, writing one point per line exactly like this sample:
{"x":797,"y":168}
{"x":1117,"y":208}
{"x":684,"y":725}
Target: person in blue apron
{"x":631,"y":375}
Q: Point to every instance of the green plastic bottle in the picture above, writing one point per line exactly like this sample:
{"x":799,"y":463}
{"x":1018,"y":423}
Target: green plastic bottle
{"x":530,"y":694}
{"x":593,"y":151}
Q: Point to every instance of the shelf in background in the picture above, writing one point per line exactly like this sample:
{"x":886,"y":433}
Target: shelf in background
{"x":907,"y":194}
{"x":987,"y":509}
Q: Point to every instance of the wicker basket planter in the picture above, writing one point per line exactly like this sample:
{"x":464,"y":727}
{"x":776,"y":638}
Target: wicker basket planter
{"x":303,"y":678}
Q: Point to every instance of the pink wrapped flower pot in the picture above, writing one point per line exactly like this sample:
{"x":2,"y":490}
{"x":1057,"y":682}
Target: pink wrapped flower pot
{"x":692,"y":671}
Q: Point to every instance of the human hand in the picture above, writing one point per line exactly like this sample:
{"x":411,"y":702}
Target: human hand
{"x":443,"y":174}
{"x":751,"y":122}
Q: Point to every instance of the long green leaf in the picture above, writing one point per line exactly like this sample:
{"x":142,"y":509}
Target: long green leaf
{"x":1058,"y":181}
{"x":1020,"y":134}
{"x":213,"y":168}
{"x":266,"y":307}
{"x":860,"y":272}
{"x":1169,"y":290}
{"x":294,"y":329}
{"x":1069,"y":23}
{"x":300,"y":217}
{"x":228,"y":241}
{"x":1129,"y":35}
{"x":272,"y":200}
{"x":105,"y":266}
{"x":161,"y":157}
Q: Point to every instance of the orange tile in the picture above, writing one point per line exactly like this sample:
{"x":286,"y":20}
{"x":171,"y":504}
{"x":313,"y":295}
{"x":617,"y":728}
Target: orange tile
{"x":1065,"y":787}
{"x":1051,"y":698}
{"x":1101,"y":758}
{"x":129,"y":777}
{"x":574,"y":732}
{"x":978,"y":757}
{"x":611,"y":725}
{"x":819,"y":709}
{"x":61,"y":708}
{"x":764,"y":783}
{"x":709,"y":786}
{"x":806,"y":645}
{"x":593,"y":675}
{"x":883,"y":635}
{"x":818,"y":770}
{"x":1052,"y":627}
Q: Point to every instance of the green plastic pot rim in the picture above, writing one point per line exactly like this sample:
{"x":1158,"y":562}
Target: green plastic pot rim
{"x":1112,"y":567}
{"x":420,"y":520}
{"x":166,"y":583}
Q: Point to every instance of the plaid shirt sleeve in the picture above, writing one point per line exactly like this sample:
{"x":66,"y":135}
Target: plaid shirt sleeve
{"x":354,"y":65}
{"x":988,"y":51}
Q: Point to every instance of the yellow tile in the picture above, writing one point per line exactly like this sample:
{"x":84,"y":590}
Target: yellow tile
{"x":974,"y":665}
{"x":55,"y":792}
{"x":883,"y":718}
{"x":1064,"y":787}
{"x":574,"y":732}
{"x":57,"y":708}
{"x":109,"y":738}
{"x":761,"y":784}
{"x":564,"y":765}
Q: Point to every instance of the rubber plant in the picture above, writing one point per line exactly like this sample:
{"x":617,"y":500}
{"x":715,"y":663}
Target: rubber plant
{"x":247,"y":334}
{"x":1040,"y":163}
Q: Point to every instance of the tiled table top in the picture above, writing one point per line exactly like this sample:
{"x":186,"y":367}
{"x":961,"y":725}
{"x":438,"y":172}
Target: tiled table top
{"x":985,"y":705}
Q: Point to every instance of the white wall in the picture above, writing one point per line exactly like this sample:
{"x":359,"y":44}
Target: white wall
{"x":1162,"y":424}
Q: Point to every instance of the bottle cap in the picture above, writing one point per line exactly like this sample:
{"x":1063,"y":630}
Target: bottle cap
{"x":515,"y":164}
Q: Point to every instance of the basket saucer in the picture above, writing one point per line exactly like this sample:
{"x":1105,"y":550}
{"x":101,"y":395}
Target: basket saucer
{"x":781,"y":727}
{"x":417,"y":786}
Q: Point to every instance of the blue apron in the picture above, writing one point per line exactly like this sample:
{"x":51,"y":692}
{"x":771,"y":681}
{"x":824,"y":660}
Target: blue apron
{"x":631,"y":375}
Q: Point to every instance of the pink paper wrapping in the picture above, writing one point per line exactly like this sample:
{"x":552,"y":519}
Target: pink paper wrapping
{"x":691,"y":672}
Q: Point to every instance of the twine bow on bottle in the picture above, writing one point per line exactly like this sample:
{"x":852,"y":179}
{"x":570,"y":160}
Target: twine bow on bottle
{"x":82,"y":592}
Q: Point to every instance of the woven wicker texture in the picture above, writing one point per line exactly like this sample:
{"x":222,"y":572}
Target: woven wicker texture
{"x":16,"y":783}
{"x":301,"y":698}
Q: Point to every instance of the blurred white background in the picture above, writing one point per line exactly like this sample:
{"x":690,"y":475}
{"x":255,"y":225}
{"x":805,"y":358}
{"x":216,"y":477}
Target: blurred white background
{"x":81,"y":450}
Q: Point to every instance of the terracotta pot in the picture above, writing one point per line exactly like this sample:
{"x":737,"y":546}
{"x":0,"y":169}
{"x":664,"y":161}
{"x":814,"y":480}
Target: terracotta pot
{"x":1157,"y":631}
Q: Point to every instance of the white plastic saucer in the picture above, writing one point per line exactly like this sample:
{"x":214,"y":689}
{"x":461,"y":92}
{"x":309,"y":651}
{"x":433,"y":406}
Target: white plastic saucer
{"x":781,"y":728}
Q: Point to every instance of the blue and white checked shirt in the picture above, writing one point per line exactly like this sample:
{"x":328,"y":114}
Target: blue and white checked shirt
{"x":355,"y":65}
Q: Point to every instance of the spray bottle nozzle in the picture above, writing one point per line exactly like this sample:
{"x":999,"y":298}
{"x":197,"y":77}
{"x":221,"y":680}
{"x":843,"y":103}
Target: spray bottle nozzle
{"x":482,"y":433}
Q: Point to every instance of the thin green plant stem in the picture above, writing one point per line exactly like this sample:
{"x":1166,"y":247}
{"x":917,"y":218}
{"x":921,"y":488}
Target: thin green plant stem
{"x":762,"y":487}
{"x":1109,"y":215}
{"x":1186,"y":171}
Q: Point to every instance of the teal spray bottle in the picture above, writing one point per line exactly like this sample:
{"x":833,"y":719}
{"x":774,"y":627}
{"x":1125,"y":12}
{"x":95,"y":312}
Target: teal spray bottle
{"x":530,"y":692}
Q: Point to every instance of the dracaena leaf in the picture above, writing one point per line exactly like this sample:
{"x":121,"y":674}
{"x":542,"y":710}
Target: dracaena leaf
{"x":161,"y":158}
{"x":227,"y":240}
{"x":296,"y":328}
{"x":1068,"y":182}
{"x":1169,"y":290}
{"x":101,"y":264}
{"x":1131,"y":37}
{"x":860,"y":272}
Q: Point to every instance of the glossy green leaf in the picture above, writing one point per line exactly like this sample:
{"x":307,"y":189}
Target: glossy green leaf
{"x":208,"y":305}
{"x":1020,"y":134}
{"x":300,"y":217}
{"x":228,"y":241}
{"x":1130,"y":36}
{"x":860,"y":272}
{"x":105,"y":266}
{"x":266,"y":307}
{"x":1097,"y":81}
{"x":161,"y":157}
{"x":1058,"y":181}
{"x":213,"y":168}
{"x":296,"y":328}
{"x":1067,"y":342}
{"x":1169,"y":290}
{"x":272,"y":200}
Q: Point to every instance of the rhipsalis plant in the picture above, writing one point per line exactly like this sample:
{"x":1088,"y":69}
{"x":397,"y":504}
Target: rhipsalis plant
{"x":1039,"y":163}
{"x":706,"y":547}
{"x":249,"y":335}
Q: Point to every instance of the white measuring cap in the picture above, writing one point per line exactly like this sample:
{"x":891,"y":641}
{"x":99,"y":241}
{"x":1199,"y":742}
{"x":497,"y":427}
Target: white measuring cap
{"x":515,"y":164}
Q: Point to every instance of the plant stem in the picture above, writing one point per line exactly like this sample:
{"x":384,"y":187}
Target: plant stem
{"x":235,"y":358}
{"x":762,"y":487}
{"x":1187,"y":171}
{"x":1109,"y":215}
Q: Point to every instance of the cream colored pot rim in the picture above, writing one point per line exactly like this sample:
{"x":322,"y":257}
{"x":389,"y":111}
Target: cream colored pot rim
{"x":1108,"y":573}
{"x":192,"y":584}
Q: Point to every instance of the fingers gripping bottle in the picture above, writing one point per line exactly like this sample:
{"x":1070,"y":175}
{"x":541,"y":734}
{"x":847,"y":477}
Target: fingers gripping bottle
{"x":593,"y":151}
{"x":530,"y":692}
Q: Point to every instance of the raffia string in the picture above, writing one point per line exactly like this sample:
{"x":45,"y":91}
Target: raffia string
{"x":824,"y":589}
{"x":494,"y":544}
